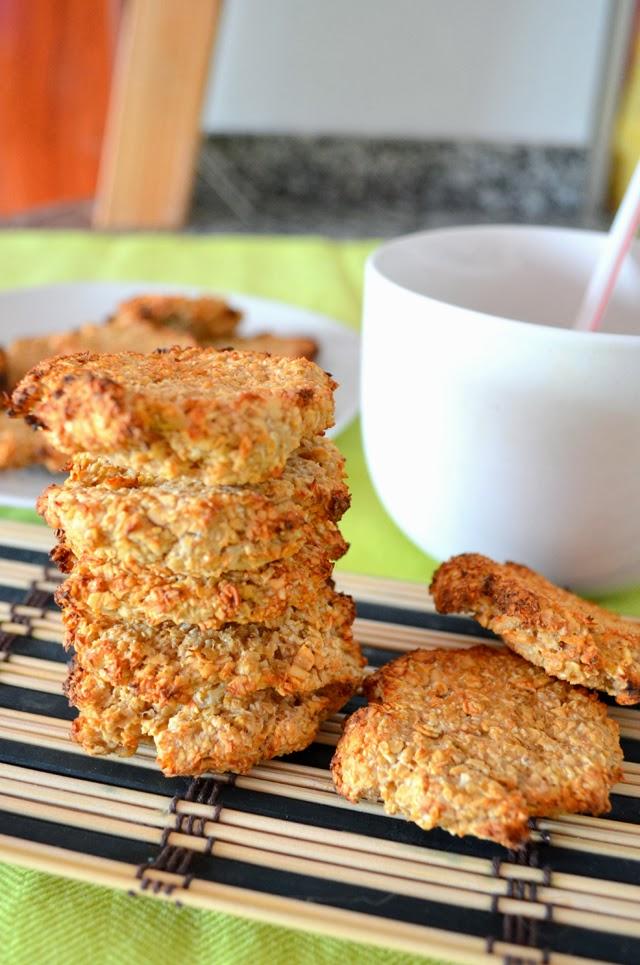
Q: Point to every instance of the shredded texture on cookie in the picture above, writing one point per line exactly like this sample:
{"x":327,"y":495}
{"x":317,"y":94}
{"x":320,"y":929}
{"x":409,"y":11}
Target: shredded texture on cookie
{"x":214,"y":731}
{"x":188,"y":527}
{"x":155,"y":594}
{"x":568,"y":636}
{"x":304,"y":652}
{"x":476,"y":742}
{"x":235,"y":417}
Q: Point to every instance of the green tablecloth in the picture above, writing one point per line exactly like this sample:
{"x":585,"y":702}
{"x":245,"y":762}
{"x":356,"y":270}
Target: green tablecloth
{"x":48,"y":920}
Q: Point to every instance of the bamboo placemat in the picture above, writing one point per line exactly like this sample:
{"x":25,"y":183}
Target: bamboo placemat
{"x":278,"y":844}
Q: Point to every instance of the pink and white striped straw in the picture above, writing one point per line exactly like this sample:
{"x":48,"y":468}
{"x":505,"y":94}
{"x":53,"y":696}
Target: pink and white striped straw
{"x":614,"y":250}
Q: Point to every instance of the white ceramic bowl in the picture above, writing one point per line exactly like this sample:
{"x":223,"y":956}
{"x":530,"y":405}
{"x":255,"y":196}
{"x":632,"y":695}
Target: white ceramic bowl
{"x":490,"y":426}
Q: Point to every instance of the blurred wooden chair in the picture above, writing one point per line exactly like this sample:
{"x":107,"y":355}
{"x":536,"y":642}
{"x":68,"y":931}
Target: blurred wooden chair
{"x":153,"y":123}
{"x":100,"y":109}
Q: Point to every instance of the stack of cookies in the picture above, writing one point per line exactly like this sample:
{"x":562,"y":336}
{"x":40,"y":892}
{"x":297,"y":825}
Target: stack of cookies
{"x":198,"y":528}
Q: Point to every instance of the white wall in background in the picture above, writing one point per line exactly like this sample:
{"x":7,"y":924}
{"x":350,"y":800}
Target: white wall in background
{"x":523,"y":70}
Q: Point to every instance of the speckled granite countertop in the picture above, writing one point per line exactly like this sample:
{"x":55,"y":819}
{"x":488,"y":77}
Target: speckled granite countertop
{"x":351,"y":187}
{"x":364,"y":188}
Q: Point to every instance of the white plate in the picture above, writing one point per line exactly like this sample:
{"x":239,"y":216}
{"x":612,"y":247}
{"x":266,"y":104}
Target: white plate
{"x":53,"y":308}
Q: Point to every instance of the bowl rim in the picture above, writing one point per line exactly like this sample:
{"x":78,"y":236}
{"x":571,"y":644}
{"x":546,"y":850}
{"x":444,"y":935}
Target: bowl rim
{"x":617,"y":339}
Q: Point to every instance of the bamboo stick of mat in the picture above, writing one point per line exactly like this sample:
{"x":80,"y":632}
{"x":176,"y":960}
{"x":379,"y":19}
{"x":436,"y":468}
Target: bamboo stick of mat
{"x":33,"y":536}
{"x":598,"y":837}
{"x":273,"y":852}
{"x":406,"y":860}
{"x":272,"y":909}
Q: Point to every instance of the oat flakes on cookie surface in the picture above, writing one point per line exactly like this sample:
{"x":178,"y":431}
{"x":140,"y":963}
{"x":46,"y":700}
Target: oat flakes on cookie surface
{"x":569,"y":637}
{"x":205,"y":318}
{"x":476,"y":742}
{"x":215,"y":730}
{"x":155,"y":594}
{"x":305,"y":651}
{"x":232,"y":417}
{"x":188,"y":527}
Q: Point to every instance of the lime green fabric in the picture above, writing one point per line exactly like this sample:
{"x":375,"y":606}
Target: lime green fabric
{"x":45,"y":920}
{"x":48,"y":920}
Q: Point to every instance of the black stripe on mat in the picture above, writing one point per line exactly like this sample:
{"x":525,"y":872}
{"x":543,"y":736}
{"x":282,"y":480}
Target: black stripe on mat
{"x":12,"y":594}
{"x":97,"y":769}
{"x":265,"y":804}
{"x":334,"y":893}
{"x":21,"y":555}
{"x":35,"y":702}
{"x":256,"y":877}
{"x":41,"y":649}
{"x":406,"y":617}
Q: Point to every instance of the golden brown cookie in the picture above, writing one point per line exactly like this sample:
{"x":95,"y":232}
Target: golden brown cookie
{"x":24,"y":353}
{"x":570,"y":637}
{"x":155,"y":594}
{"x":291,"y":347}
{"x":20,"y":445}
{"x":304,"y":652}
{"x":215,"y":731}
{"x":476,"y":742}
{"x":230,"y":417}
{"x":191,"y":528}
{"x":204,"y":319}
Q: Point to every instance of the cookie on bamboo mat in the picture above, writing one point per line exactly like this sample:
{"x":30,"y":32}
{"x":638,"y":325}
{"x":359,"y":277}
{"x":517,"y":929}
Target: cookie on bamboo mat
{"x":304,"y":652}
{"x":215,"y":730}
{"x":225,"y":417}
{"x":188,"y":527}
{"x":567,"y":636}
{"x":155,"y":594}
{"x":477,"y":742}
